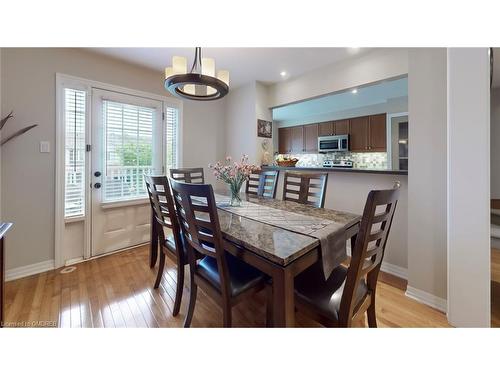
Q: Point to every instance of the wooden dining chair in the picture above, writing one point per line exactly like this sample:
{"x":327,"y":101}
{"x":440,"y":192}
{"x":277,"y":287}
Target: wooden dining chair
{"x":165,"y":218}
{"x":305,"y":188}
{"x":189,"y":175}
{"x":350,"y":292}
{"x":226,"y":279}
{"x":262,"y":184}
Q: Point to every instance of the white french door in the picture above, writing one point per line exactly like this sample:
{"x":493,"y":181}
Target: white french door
{"x":127,"y":142}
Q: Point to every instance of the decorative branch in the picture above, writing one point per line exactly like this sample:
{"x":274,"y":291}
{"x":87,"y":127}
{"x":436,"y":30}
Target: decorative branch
{"x":5,"y":119}
{"x":16,"y":134}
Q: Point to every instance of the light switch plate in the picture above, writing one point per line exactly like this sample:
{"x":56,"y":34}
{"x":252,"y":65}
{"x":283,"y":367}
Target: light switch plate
{"x":44,"y":146}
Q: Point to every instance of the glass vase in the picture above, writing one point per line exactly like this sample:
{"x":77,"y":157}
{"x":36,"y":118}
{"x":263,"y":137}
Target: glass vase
{"x":235,"y":194}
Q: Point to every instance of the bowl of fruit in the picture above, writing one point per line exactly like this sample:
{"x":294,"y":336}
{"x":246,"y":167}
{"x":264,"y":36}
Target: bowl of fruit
{"x":286,"y":161}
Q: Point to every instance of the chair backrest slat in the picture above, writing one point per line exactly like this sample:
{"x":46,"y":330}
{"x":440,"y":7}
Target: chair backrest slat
{"x":162,"y":205}
{"x":305,"y":188}
{"x":200,"y":224}
{"x":262,"y":184}
{"x":369,"y":248}
{"x":189,"y":175}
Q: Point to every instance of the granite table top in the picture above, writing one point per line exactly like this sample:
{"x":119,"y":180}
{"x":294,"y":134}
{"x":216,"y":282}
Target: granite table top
{"x":282,"y":238}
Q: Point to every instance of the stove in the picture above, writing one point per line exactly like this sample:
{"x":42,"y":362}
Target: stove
{"x":337,"y":164}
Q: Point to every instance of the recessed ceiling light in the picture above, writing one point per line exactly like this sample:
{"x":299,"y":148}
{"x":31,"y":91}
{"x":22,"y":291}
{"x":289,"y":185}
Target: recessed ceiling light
{"x":283,"y":73}
{"x":354,"y":91}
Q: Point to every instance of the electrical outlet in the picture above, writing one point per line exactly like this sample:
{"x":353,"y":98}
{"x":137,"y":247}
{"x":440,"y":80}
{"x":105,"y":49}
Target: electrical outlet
{"x":44,"y":146}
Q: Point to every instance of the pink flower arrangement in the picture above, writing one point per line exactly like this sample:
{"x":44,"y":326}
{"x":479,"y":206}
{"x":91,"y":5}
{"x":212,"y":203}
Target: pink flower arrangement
{"x":234,"y":173}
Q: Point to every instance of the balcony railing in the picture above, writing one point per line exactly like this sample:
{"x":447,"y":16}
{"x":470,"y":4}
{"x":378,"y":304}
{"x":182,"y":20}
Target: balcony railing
{"x":125,"y":182}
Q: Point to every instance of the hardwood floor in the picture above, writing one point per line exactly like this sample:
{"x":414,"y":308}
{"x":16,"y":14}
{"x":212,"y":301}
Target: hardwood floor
{"x":117,"y":291}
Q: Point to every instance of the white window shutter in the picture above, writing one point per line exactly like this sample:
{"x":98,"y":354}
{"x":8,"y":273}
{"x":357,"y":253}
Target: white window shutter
{"x":74,"y":117}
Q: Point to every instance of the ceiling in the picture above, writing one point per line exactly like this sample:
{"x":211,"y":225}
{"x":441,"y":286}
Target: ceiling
{"x":369,"y":95}
{"x":244,"y":64}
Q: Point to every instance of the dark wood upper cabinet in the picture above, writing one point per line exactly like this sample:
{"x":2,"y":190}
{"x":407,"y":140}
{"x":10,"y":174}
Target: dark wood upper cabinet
{"x":366,"y":134}
{"x":325,"y":128}
{"x":311,"y":138}
{"x":377,"y":135}
{"x":341,"y":127}
{"x":359,"y":134}
{"x":297,"y":134}
{"x":284,"y":140}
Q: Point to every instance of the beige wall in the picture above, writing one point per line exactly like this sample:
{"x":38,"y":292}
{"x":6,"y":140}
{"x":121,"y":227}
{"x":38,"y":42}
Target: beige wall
{"x":427,"y":171}
{"x":28,"y":88}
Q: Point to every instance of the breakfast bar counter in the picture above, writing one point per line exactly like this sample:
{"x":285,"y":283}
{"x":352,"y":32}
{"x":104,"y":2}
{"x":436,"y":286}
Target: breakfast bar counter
{"x":334,"y":169}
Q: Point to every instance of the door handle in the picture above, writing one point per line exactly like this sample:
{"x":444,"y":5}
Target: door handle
{"x":97,"y":174}
{"x":97,"y":185}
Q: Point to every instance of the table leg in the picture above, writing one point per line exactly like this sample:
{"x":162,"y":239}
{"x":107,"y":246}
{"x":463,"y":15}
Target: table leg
{"x":153,"y":247}
{"x":283,"y":298}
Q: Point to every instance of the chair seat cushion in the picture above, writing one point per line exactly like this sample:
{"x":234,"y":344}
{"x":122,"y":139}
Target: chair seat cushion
{"x":242,"y":276}
{"x":170,"y":244}
{"x":325,"y":295}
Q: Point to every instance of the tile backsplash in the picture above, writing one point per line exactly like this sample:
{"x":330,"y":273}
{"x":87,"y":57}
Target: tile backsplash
{"x":368,"y":160}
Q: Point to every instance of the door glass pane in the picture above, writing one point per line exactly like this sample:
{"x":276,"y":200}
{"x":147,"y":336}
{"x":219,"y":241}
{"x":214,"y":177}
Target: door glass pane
{"x":74,"y":152}
{"x":128,"y":141}
{"x":171,"y":137}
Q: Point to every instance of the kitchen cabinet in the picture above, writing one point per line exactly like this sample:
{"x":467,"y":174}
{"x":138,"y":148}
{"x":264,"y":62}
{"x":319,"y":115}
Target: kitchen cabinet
{"x":366,"y":134}
{"x":341,"y":127}
{"x":325,"y":128}
{"x":377,"y":135}
{"x":358,"y":135}
{"x":297,"y":139}
{"x":284,"y":140}
{"x":311,"y":138}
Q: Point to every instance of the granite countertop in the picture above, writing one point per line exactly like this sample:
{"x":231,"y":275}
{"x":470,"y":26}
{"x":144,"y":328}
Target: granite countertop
{"x":276,"y":244}
{"x":347,"y":170}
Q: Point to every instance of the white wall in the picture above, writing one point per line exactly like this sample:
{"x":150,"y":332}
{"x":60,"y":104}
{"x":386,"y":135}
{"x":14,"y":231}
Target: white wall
{"x":263,"y":112}
{"x":204,"y":136}
{"x":241,"y":127}
{"x":427,"y":215}
{"x":468,"y":188}
{"x":28,"y":177}
{"x":244,"y":106}
{"x":495,"y":143}
{"x":377,"y":65}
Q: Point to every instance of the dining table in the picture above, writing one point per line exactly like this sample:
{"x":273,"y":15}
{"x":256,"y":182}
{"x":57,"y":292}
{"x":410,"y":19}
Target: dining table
{"x":281,"y":239}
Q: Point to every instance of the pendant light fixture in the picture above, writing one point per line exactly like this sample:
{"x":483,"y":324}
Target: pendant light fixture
{"x":201,"y":83}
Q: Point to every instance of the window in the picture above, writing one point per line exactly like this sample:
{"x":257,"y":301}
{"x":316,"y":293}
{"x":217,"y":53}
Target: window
{"x":128,"y":133}
{"x":74,"y":160}
{"x":171,"y":140}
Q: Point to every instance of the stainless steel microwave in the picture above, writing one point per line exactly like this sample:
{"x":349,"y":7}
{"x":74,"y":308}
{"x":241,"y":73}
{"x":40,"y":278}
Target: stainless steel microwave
{"x":333,"y":143}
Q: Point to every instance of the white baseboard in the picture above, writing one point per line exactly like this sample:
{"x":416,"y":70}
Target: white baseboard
{"x":394,"y":270}
{"x":73,"y":261}
{"x":32,"y":269}
{"x":429,"y":299}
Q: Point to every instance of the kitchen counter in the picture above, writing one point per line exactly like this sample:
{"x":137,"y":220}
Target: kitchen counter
{"x":333,"y":169}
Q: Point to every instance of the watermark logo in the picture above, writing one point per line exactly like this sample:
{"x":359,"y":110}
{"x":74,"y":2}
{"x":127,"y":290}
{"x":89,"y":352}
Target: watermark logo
{"x":32,"y":324}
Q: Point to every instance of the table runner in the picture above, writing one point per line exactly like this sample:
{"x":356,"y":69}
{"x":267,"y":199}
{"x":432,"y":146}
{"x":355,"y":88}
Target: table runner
{"x":331,"y":235}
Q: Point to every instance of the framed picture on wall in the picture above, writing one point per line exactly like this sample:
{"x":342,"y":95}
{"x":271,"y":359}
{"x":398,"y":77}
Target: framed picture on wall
{"x":264,"y":129}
